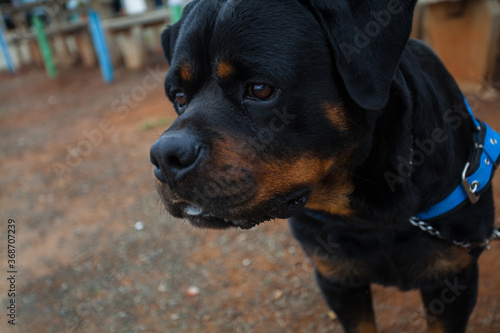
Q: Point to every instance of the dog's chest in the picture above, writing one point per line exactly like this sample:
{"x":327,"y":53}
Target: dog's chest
{"x":401,"y":258}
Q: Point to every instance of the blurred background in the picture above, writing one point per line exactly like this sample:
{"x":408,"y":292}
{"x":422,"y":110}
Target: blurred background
{"x":81,"y":102}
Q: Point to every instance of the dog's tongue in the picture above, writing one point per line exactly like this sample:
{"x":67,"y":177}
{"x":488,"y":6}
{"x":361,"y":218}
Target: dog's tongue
{"x":291,"y":208}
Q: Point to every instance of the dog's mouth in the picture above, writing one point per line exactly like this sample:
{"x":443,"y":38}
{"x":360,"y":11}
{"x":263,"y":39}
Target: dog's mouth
{"x":281,"y":207}
{"x":199,"y":218}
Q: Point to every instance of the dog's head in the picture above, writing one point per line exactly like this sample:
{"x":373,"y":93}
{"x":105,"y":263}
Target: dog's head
{"x":274,"y":99}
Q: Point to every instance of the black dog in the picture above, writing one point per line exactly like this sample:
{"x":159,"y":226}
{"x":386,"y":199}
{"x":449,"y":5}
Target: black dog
{"x":326,"y":113}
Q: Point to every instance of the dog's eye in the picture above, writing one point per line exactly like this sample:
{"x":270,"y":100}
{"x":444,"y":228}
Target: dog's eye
{"x":180,"y":98}
{"x":260,"y":91}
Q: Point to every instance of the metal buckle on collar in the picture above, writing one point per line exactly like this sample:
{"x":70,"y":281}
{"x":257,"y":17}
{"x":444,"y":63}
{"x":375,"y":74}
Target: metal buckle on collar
{"x":470,"y":189}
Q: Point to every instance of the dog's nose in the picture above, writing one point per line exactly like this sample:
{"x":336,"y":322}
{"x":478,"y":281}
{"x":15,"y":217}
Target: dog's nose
{"x":175,"y":155}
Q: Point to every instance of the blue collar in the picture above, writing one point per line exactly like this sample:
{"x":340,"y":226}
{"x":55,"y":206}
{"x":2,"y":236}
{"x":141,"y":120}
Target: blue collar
{"x":484,"y":160}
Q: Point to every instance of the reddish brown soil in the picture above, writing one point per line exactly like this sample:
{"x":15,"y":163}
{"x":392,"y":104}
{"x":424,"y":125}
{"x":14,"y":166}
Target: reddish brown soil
{"x":83,"y":267}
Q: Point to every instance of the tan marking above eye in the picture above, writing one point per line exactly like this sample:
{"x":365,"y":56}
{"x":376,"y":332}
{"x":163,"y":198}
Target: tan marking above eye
{"x":336,"y":114}
{"x":224,"y":69}
{"x":186,"y":71}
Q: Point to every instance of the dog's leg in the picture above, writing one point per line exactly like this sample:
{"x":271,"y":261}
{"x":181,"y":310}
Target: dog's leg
{"x":353,"y":306}
{"x":450,"y":305}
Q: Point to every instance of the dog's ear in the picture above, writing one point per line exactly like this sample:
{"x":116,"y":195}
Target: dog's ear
{"x":170,"y":34}
{"x":368,"y":38}
{"x":168,"y":39}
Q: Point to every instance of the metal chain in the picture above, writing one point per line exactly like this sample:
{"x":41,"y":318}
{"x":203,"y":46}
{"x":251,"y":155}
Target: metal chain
{"x":426,"y":227}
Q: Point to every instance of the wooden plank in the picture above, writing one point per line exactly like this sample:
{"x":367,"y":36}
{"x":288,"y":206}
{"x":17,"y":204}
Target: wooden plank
{"x":122,"y":23}
{"x":51,"y":30}
{"x":114,"y":48}
{"x":16,"y":37}
{"x":132,"y":48}
{"x":86,"y":49}
{"x":36,"y":55}
{"x":63,"y":54}
{"x":468,"y":44}
{"x":156,"y":40}
{"x":66,"y":28}
{"x":23,"y":52}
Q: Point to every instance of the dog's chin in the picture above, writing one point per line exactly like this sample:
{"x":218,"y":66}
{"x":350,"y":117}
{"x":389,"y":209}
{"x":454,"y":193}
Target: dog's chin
{"x":280,"y":207}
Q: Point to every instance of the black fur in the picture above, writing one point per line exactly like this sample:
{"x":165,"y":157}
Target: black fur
{"x":392,"y":94}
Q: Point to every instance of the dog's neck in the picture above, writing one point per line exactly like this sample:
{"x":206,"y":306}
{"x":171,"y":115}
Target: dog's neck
{"x":411,"y":139}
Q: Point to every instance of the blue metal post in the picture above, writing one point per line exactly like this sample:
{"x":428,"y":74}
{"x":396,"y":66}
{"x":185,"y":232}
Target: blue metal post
{"x":101,"y":46}
{"x":5,"y":50}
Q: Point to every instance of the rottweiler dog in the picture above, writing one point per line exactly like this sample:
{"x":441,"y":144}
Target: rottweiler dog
{"x":324,"y":112}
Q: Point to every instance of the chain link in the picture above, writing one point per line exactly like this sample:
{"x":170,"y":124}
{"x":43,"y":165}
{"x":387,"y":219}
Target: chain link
{"x":426,"y":227}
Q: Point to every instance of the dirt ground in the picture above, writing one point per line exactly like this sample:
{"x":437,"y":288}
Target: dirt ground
{"x":76,"y":178}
